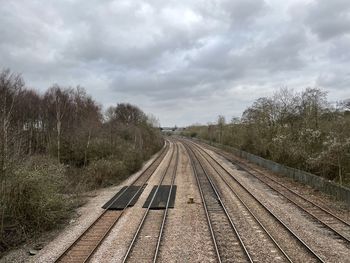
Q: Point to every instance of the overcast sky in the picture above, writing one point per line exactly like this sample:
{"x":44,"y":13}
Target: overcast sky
{"x":183,"y":61}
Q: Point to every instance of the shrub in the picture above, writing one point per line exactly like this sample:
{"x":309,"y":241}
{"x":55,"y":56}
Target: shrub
{"x":32,"y":200}
{"x":105,"y":172}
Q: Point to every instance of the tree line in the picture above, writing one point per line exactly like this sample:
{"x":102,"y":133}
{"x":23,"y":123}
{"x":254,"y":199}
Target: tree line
{"x":58,"y":144}
{"x":302,"y":130}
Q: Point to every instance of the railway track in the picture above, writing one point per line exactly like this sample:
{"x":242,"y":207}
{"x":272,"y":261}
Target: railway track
{"x":145,"y":244}
{"x":250,"y":225}
{"x":228,"y":244}
{"x":333,"y":223}
{"x":242,"y":227}
{"x":86,"y":244}
{"x":291,"y":246}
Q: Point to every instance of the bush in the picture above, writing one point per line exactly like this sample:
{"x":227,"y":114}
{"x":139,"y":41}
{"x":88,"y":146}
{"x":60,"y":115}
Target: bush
{"x":105,"y":168}
{"x":133,"y":160}
{"x":193,"y":134}
{"x":32,"y":200}
{"x":105,"y":172}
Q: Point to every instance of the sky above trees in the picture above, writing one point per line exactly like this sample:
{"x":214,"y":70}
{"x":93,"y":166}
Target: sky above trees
{"x":183,"y":61}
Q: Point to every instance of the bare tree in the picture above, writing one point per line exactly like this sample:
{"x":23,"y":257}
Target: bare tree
{"x":313,"y":102}
{"x":132,"y":118}
{"x":153,"y":121}
{"x":10,"y":87}
{"x":58,"y":101}
{"x":88,"y":118}
{"x":28,"y":117}
{"x":221,"y":123}
{"x":128,"y":114}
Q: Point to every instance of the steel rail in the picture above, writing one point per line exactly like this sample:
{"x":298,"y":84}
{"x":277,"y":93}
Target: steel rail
{"x":205,"y":207}
{"x":332,"y":229}
{"x":249,"y":210}
{"x":270,"y":212}
{"x":167,"y":205}
{"x":127,"y":254}
{"x":221,"y":203}
{"x":280,"y":184}
{"x":160,"y":156}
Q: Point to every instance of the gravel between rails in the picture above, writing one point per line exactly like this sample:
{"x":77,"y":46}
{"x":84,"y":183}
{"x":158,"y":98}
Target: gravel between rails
{"x":144,"y":246}
{"x":186,"y":236}
{"x":229,"y":244}
{"x":336,"y":207}
{"x":334,"y":223}
{"x":319,"y":238}
{"x":259,"y":244}
{"x":330,"y":248}
{"x":116,"y":244}
{"x":290,"y":245}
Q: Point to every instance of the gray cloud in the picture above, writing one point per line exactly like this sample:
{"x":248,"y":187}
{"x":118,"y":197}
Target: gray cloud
{"x":241,"y":12}
{"x":328,"y":19}
{"x":337,"y":79}
{"x":183,"y":61}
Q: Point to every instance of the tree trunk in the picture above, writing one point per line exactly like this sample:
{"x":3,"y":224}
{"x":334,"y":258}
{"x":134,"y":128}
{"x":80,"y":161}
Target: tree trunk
{"x":3,"y":196}
{"x":140,"y":141}
{"x":87,"y":148}
{"x":30,"y":140}
{"x":135,"y":139}
{"x":4,"y":150}
{"x":2,"y":153}
{"x":59,"y":140}
{"x":339,"y":172}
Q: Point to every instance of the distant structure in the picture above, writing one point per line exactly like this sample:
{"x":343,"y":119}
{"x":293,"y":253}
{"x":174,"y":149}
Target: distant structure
{"x":174,"y":129}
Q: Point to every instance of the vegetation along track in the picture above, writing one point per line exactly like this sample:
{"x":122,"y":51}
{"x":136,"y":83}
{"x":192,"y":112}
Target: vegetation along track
{"x":293,"y":247}
{"x":86,"y":244}
{"x":145,"y":244}
{"x":228,"y":244}
{"x":336,"y":225}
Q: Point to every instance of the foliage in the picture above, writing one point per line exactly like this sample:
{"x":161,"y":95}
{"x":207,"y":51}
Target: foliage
{"x":301,"y":130}
{"x":105,"y":172}
{"x":32,"y":200}
{"x":79,"y":148}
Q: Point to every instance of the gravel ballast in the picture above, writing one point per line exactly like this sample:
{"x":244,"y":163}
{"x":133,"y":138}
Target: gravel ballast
{"x":317,"y":237}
